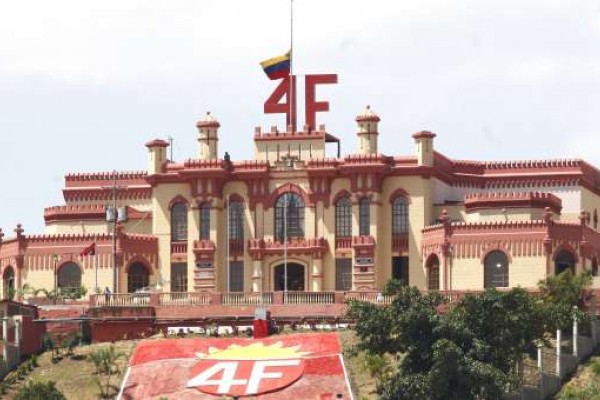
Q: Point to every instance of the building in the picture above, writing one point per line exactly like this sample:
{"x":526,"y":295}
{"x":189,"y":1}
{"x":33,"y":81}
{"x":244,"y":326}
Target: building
{"x":293,"y":219}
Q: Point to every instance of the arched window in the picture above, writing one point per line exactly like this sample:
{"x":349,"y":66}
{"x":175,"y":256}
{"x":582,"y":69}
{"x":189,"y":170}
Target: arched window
{"x":495,"y":272}
{"x":364,"y":216}
{"x":565,"y":260}
{"x":400,"y":216}
{"x":289,"y":216}
{"x":179,"y":222}
{"x":236,"y":220}
{"x":433,"y":273}
{"x":205,"y":221}
{"x":8,"y":280}
{"x":137,"y":277}
{"x":69,"y":276}
{"x":343,"y":217}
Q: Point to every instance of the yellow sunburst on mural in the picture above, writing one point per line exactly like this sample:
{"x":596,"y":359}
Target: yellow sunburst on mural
{"x":255,"y":351}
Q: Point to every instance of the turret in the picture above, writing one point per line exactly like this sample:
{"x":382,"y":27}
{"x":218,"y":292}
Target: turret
{"x":157,"y":155}
{"x":208,"y":137}
{"x":367,"y":131}
{"x":424,"y":147}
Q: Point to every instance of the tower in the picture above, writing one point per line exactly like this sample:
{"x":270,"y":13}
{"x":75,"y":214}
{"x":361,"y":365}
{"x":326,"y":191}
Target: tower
{"x":367,"y":131}
{"x":208,"y":137}
{"x":424,"y":147}
{"x":157,"y":155}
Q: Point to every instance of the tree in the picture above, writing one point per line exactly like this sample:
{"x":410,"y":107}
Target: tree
{"x":39,"y":391}
{"x":468,"y":353}
{"x":560,"y":294}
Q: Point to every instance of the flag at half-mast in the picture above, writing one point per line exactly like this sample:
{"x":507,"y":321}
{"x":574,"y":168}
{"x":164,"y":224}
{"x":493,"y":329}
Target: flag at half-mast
{"x":278,"y":67}
{"x":89,"y":251}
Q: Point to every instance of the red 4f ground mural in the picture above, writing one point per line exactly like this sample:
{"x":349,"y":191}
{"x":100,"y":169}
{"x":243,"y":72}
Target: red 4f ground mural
{"x":303,"y":366}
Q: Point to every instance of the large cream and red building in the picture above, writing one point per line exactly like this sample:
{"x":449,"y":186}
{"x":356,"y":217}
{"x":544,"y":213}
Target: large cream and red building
{"x":211,"y":224}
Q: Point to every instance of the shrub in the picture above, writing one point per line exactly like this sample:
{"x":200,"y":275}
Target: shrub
{"x":39,"y":391}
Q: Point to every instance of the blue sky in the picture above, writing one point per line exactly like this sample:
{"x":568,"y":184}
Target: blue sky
{"x":83,"y":85}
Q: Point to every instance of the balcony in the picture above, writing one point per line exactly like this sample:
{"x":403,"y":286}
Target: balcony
{"x":400,"y":242}
{"x":179,"y":247}
{"x":343,"y":242}
{"x":313,"y":246}
{"x":236,"y":247}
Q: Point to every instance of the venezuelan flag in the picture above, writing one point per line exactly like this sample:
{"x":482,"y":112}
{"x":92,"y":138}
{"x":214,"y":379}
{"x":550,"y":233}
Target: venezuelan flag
{"x":277,"y":67}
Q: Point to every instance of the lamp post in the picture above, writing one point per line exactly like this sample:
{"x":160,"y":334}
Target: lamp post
{"x":285,"y":262}
{"x":112,"y":215}
{"x":55,"y":258}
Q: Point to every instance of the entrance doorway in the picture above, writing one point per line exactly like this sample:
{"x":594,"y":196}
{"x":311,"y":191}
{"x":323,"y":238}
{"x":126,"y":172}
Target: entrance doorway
{"x":295,"y":277}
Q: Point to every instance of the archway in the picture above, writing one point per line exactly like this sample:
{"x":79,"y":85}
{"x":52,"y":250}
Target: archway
{"x":137,"y":277}
{"x":69,"y":277}
{"x":564,"y":260}
{"x":495,"y":270}
{"x":8,"y":279}
{"x":433,"y":273}
{"x":295,"y":277}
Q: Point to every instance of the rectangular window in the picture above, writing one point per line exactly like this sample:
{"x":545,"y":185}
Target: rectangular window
{"x":236,"y":276}
{"x":343,"y":274}
{"x":364,"y":217}
{"x":400,"y":269}
{"x":205,"y":222}
{"x":179,"y":278}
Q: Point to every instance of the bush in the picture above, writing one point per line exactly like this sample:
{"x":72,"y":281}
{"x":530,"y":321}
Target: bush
{"x":39,"y":391}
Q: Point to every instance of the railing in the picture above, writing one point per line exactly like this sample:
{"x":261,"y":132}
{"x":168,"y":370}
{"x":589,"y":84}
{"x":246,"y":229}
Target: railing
{"x":400,"y":242}
{"x":247,"y":299}
{"x":184,"y":299}
{"x":371,"y":297}
{"x":236,"y":246}
{"x":121,"y":300}
{"x":343,"y":242}
{"x":308,"y":298}
{"x":178,"y":247}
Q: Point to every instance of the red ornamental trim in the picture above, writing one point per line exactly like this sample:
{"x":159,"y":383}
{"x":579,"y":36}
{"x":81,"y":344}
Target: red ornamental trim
{"x":477,"y":201}
{"x":399,"y":193}
{"x":157,"y":143}
{"x":566,"y":247}
{"x":179,"y":199}
{"x":495,"y":246}
{"x":340,"y":195}
{"x":121,"y":176}
{"x":72,"y":195}
{"x":287,"y":188}
{"x":137,"y":259}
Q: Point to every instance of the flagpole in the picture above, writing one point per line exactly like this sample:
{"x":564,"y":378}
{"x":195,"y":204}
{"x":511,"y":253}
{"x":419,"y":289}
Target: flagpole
{"x":292,"y":94}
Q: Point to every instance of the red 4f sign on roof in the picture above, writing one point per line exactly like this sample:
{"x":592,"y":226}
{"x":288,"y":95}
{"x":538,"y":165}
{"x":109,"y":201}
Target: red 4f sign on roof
{"x":307,"y":366}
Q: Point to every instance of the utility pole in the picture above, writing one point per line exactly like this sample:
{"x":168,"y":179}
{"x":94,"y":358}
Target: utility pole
{"x":114,"y":218}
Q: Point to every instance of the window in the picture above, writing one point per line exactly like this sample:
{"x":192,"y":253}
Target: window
{"x":236,"y":220}
{"x":495,"y":270}
{"x":595,"y":219}
{"x":364,"y":216}
{"x":594,"y":266}
{"x":289,"y":217}
{"x":69,"y":276}
{"x":179,"y":222}
{"x":8,"y":279}
{"x":236,"y":276}
{"x":565,"y":260}
{"x":205,"y":221}
{"x":400,"y":269}
{"x":343,"y":217}
{"x":433,"y":273}
{"x":179,"y":277}
{"x":137,"y":277}
{"x":399,"y":216}
{"x":343,"y":274}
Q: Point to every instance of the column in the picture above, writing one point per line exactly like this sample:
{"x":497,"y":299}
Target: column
{"x":257,"y":276}
{"x":317,"y":275}
{"x":5,"y":337}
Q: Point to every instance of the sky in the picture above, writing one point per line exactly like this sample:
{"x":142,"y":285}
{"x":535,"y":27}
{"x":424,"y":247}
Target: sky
{"x":84,"y":84}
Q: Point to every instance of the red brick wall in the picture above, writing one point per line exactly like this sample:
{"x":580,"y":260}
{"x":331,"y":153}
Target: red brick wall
{"x":109,"y":331}
{"x":55,"y":329}
{"x":31,"y":342}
